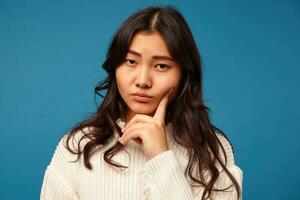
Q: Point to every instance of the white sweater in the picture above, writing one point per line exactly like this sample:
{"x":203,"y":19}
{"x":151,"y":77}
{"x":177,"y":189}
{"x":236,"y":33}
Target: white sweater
{"x":160,"y":178}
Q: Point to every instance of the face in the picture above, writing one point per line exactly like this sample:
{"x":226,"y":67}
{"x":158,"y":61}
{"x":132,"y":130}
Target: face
{"x":147,"y":69}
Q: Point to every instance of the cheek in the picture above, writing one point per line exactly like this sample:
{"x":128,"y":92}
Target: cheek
{"x":121,"y":80}
{"x":173,"y":81}
{"x":166,"y":85}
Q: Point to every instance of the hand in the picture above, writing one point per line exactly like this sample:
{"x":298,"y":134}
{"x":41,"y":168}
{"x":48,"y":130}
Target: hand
{"x":148,"y":131}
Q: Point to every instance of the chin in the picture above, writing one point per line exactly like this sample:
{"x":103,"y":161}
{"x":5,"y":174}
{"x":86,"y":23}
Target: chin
{"x":145,"y":110}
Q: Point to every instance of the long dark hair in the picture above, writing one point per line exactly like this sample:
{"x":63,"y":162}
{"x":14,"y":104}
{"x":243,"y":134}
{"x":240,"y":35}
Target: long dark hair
{"x":190,"y":113}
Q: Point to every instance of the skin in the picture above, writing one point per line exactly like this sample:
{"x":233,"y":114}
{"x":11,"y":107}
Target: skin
{"x":156,"y":77}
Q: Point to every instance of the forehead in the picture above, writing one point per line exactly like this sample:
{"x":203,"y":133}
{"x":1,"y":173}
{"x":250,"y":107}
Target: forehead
{"x":149,"y":43}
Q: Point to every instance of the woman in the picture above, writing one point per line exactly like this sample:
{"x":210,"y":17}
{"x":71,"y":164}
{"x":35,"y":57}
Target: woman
{"x":151,"y":138}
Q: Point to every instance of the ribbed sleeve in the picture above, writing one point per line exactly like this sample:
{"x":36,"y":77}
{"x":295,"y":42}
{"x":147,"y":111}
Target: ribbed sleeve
{"x":228,"y":151}
{"x":224,"y":182}
{"x":56,"y":188}
{"x":59,"y":179}
{"x":163,"y":178}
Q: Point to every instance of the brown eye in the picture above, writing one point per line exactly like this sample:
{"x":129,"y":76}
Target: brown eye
{"x":130,"y":62}
{"x":162,"y":67}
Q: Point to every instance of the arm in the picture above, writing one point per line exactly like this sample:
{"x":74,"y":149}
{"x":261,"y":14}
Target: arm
{"x":58,"y":182}
{"x":163,"y":179}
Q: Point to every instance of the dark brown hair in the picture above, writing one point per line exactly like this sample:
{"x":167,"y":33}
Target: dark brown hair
{"x":190,"y":113}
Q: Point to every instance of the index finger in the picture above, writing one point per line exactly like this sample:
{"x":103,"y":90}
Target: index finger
{"x":162,"y":106}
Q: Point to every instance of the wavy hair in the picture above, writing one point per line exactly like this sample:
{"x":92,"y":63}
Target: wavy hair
{"x":186,"y":112}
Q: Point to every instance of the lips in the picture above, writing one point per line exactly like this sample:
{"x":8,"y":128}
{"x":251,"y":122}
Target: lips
{"x":141,"y":94}
{"x":141,"y":97}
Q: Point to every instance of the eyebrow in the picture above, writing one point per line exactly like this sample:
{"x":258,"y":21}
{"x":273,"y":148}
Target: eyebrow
{"x":158,"y":57}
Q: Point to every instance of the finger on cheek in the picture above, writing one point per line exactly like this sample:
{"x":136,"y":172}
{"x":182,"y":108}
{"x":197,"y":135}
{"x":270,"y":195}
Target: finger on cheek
{"x":171,"y":94}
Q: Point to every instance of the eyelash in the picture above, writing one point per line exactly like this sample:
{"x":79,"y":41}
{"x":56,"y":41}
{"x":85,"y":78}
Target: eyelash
{"x":126,"y":60}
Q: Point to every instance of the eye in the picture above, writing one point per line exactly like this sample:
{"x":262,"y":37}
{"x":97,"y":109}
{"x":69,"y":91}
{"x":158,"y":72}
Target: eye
{"x":162,"y":67}
{"x":130,"y":61}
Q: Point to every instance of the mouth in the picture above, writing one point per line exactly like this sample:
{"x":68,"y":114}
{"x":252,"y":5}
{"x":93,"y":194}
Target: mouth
{"x":141,"y":99}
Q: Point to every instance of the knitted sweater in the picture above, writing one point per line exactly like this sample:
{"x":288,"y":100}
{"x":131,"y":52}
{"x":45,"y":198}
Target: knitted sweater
{"x":160,"y":178}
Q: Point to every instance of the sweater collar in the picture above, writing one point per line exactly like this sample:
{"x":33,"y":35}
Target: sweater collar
{"x":120,"y":123}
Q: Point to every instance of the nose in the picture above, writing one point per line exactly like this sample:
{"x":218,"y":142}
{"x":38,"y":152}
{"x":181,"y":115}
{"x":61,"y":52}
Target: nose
{"x":143,"y":78}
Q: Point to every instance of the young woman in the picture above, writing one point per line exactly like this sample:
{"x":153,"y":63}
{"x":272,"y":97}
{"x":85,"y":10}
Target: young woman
{"x":151,"y":137}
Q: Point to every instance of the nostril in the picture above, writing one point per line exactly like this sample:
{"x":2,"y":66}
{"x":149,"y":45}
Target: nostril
{"x":141,"y":85}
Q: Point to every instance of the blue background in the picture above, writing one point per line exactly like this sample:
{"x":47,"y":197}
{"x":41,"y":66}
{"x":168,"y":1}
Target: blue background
{"x":50,"y":60}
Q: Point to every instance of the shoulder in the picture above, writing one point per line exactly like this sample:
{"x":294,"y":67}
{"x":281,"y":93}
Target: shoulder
{"x":234,"y":169}
{"x":223,"y":179}
{"x":228,"y":149}
{"x":79,"y":137}
{"x":73,"y":143}
{"x":68,"y":143}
